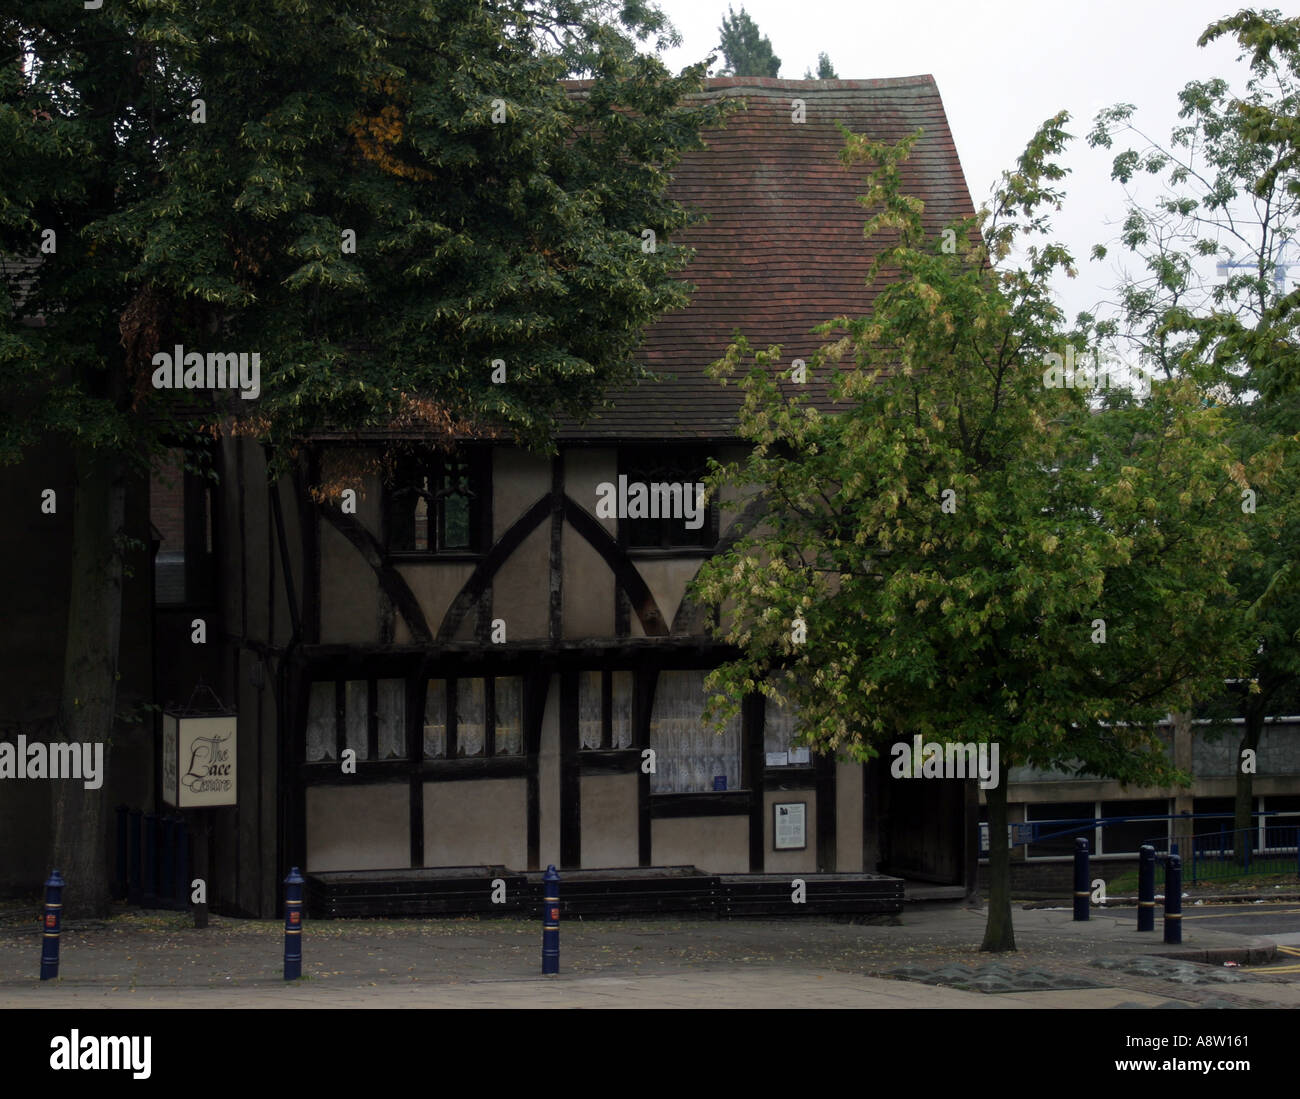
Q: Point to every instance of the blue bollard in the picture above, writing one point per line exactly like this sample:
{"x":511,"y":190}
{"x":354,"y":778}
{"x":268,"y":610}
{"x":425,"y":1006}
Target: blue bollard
{"x":551,"y":923}
{"x":1081,"y":884}
{"x":1146,"y":888}
{"x":293,"y":925}
{"x":52,"y":924}
{"x":1174,"y":900}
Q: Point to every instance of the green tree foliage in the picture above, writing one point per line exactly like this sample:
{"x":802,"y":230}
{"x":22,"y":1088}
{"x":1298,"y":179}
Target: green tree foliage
{"x":825,"y":70}
{"x":1230,"y":192}
{"x":203,"y":167}
{"x":518,"y":238}
{"x":745,"y":51}
{"x":955,"y":535}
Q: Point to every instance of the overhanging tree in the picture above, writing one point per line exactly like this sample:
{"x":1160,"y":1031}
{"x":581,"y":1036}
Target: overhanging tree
{"x":379,"y":199}
{"x":960,"y":550}
{"x":1230,"y":192}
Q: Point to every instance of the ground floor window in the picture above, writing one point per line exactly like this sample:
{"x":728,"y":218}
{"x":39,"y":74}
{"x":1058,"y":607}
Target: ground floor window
{"x":1060,"y":816}
{"x":780,"y":727}
{"x":365,"y":716}
{"x":689,"y":755}
{"x":1124,"y":838}
{"x":473,"y":717}
{"x":604,"y":709}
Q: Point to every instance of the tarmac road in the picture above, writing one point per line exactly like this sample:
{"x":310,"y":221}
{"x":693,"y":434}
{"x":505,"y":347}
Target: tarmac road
{"x":1276,"y":919}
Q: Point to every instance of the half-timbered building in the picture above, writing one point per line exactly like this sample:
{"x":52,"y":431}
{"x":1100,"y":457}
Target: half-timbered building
{"x":456,"y":680}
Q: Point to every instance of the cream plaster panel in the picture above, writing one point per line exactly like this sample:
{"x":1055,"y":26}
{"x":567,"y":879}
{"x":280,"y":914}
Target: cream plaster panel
{"x":609,"y":821}
{"x":667,"y":579}
{"x":521,"y":588}
{"x":519,"y":480}
{"x":588,"y":589}
{"x":476,"y":822}
{"x":359,"y":828}
{"x":717,"y":845}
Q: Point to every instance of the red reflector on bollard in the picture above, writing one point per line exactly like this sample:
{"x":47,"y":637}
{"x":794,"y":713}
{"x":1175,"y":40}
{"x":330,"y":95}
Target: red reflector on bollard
{"x":295,"y":917}
{"x":50,"y":920}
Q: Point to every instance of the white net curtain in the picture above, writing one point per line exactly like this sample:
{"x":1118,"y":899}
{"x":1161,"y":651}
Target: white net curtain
{"x":469,"y":717}
{"x":435,"y":719}
{"x":589,"y":702}
{"x":590,"y":694}
{"x":390,"y":709}
{"x":688,"y":753}
{"x":321,"y":736}
{"x":510,"y":716}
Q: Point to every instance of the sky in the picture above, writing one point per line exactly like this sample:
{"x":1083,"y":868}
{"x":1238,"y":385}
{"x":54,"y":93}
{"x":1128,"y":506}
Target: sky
{"x":1002,"y":68}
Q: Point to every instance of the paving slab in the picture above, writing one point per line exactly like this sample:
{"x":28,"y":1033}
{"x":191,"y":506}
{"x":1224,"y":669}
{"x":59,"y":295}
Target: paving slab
{"x":153,"y":959}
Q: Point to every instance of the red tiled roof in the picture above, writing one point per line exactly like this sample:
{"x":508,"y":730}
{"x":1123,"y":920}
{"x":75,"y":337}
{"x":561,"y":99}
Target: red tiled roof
{"x":782,"y":248}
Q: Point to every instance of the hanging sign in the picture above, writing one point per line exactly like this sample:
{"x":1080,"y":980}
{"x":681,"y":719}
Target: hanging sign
{"x":199,"y":760}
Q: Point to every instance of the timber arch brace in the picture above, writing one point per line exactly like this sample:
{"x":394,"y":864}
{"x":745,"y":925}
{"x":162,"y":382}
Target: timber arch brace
{"x":690,"y":616}
{"x":585,"y":524}
{"x":390,"y":580}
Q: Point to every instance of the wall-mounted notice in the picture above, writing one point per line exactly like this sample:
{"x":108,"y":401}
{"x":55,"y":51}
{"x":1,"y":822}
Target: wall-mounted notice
{"x":790,"y":825}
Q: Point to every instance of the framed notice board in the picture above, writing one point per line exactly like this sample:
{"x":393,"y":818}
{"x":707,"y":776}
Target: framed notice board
{"x":790,"y":825}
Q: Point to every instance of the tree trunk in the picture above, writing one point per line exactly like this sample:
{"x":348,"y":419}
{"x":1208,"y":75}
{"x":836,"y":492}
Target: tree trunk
{"x":999,"y":935}
{"x":1243,"y":821}
{"x":89,"y":697}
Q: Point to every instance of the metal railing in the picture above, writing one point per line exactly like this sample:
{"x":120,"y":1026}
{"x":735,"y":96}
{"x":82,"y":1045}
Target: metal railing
{"x":1237,"y":853}
{"x":152,"y":863}
{"x":1218,"y":852}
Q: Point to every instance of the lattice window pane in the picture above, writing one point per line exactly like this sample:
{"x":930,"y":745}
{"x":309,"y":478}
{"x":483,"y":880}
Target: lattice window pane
{"x":391,"y":701}
{"x":510,"y":716}
{"x":356,"y":717}
{"x":435,"y":719}
{"x":778,"y":726}
{"x":621,"y":685}
{"x":469,"y":717}
{"x":420,"y":521}
{"x":455,"y":511}
{"x":589,"y":709}
{"x":321,"y":736}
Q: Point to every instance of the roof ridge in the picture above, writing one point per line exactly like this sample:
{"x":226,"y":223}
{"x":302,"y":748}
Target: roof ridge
{"x":789,"y":84}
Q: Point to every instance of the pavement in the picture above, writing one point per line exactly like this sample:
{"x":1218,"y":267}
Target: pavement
{"x":929,"y":959}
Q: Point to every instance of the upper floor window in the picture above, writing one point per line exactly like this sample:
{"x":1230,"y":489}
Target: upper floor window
{"x":660,"y":499}
{"x":438,"y":503}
